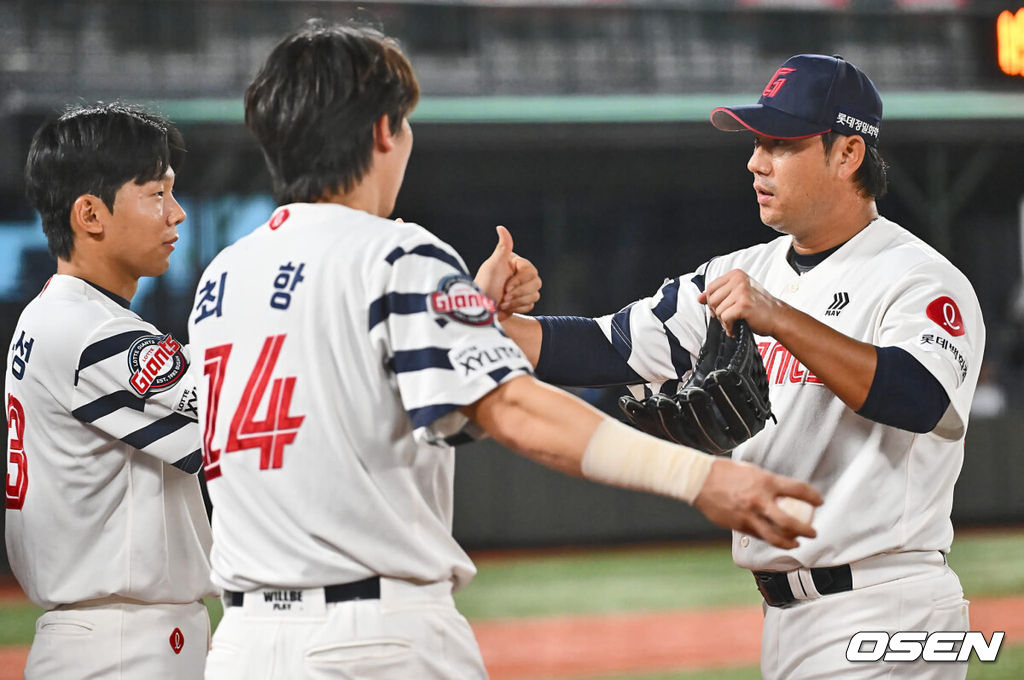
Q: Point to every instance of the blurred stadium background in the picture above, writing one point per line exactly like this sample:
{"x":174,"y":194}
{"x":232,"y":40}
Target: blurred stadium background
{"x":582,"y":125}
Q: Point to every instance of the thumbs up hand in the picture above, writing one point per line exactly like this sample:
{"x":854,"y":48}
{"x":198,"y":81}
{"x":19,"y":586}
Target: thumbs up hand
{"x":513,"y":282}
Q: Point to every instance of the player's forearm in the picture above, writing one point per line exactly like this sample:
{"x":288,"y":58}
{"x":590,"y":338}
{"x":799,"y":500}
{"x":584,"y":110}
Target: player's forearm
{"x":560,"y":431}
{"x":526,"y":332}
{"x":846,"y":366}
{"x":542,"y":422}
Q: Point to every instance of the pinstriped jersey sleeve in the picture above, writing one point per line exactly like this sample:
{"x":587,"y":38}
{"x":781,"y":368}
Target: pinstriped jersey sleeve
{"x":659,"y":335}
{"x":440,"y":337}
{"x":132,"y":383}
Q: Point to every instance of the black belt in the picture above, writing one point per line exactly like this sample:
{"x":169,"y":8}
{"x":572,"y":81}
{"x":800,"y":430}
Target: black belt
{"x":367,"y":589}
{"x":774,"y":585}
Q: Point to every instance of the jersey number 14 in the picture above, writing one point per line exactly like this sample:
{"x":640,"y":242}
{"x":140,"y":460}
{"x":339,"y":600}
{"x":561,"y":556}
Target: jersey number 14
{"x":270,"y":434}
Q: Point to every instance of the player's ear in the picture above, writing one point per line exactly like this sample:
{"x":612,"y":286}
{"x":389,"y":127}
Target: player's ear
{"x":851,"y":150}
{"x":383,"y":140}
{"x":88,"y":214}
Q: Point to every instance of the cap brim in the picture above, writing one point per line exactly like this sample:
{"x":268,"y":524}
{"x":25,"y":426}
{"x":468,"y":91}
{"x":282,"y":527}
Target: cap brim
{"x":765,"y":121}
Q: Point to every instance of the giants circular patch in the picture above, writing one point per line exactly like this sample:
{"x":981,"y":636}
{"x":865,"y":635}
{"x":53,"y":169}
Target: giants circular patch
{"x":156,"y":363}
{"x":458,"y":297}
{"x":944,"y":312}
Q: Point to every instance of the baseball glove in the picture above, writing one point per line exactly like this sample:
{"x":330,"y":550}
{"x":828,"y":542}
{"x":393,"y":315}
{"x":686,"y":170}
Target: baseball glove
{"x":723,"y":402}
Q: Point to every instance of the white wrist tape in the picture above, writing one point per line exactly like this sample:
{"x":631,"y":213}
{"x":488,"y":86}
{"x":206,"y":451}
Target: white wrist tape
{"x":619,"y":455}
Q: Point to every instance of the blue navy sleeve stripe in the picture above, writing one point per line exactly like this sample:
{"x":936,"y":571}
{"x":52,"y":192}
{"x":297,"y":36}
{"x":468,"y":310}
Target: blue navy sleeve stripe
{"x":498,"y":374}
{"x":664,"y":310}
{"x":427,"y":250}
{"x":681,"y":361}
{"x":666,"y":307}
{"x":575,"y":352}
{"x":159,"y":429}
{"x":190,"y":463}
{"x":396,"y":303}
{"x":622,"y":339}
{"x":108,"y":347}
{"x":699,"y":281}
{"x":406,"y":361}
{"x":421,"y":417}
{"x":904,"y":393}
{"x":107,"y":404}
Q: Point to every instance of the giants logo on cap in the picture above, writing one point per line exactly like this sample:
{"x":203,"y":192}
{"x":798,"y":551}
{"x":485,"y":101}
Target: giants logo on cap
{"x":776,"y":83}
{"x":156,"y":363}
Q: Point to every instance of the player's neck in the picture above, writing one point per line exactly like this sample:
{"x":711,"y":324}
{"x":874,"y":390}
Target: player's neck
{"x":102,"y":274}
{"x":842,"y":224}
{"x":365,"y":196}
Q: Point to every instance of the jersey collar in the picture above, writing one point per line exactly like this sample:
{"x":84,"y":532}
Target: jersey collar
{"x":802,"y":264}
{"x":113,"y":296}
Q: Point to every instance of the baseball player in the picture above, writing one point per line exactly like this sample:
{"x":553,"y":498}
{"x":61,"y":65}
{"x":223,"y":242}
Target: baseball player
{"x":106,"y":527}
{"x":872,"y":342}
{"x":339,"y":355}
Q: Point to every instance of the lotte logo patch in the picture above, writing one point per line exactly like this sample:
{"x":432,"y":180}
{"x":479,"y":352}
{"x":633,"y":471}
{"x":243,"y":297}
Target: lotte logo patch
{"x":177,"y":640}
{"x":944,"y":312}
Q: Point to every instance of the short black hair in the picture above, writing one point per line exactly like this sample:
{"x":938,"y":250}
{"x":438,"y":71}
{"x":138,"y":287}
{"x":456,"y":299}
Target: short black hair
{"x":94,"y":150}
{"x":871,"y":175}
{"x":313,"y":104}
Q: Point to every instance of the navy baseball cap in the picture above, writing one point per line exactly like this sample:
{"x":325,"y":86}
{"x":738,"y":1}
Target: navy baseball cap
{"x":810,"y":95}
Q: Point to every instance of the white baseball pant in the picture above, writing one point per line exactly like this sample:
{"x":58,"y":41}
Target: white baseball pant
{"x":412,"y":631}
{"x":120,"y":640}
{"x":808,"y":640}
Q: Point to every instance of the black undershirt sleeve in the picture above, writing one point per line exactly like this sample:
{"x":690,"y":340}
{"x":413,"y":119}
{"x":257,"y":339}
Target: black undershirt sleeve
{"x":904,"y":393}
{"x":575,"y":352}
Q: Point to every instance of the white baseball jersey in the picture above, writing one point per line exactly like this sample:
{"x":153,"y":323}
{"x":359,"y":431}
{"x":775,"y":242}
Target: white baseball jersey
{"x":332,"y":350}
{"x":99,"y":406}
{"x":885,"y":489}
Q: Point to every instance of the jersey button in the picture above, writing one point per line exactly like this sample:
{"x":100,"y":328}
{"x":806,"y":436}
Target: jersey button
{"x":745,"y":541}
{"x":794,"y":287}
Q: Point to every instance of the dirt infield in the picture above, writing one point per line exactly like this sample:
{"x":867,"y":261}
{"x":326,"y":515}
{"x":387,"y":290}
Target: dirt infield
{"x":579,"y":646}
{"x":584,"y":646}
{"x":10,"y":591}
{"x":567,"y":647}
{"x":12,"y":662}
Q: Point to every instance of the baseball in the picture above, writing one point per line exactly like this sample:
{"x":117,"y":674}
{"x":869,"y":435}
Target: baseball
{"x":795,"y":507}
